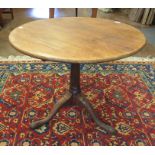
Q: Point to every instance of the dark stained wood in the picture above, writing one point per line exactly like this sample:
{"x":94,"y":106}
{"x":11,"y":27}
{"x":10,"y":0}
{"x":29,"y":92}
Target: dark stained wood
{"x":89,"y":108}
{"x":60,"y":103}
{"x":75,"y":79}
{"x":94,"y":12}
{"x":1,"y":18}
{"x":51,"y":12}
{"x":74,"y":96}
{"x":12,"y":15}
{"x":5,"y":11}
{"x":76,"y":12}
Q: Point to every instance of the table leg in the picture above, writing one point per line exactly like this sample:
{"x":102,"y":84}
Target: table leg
{"x":74,"y":95}
{"x":1,"y":18}
{"x":94,"y":12}
{"x":78,"y":97}
{"x":60,"y":103}
{"x":89,"y":108}
{"x":51,"y":12}
{"x":76,"y":12}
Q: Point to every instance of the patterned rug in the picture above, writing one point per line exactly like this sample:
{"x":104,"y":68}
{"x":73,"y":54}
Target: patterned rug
{"x":28,"y":92}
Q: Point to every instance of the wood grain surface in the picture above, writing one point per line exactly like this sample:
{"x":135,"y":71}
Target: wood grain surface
{"x":77,"y":39}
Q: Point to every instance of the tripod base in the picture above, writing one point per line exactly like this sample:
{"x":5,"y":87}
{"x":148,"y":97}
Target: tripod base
{"x":73,"y":96}
{"x":79,"y":98}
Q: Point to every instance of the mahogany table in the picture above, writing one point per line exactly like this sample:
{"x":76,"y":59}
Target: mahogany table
{"x":76,"y":40}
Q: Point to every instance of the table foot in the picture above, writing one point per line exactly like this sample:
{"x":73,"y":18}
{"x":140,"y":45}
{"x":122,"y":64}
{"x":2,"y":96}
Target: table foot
{"x":61,"y":102}
{"x":89,"y":108}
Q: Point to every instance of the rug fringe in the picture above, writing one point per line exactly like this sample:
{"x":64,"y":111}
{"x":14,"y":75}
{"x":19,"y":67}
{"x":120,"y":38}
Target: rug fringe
{"x":28,"y":59}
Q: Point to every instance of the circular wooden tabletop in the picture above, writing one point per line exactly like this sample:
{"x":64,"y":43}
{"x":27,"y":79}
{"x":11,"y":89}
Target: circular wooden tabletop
{"x":77,"y":39}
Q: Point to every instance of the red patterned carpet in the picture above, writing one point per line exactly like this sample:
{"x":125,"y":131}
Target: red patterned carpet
{"x":29,"y":91}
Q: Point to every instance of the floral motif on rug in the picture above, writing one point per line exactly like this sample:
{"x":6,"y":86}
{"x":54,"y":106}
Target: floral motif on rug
{"x":123,"y":95}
